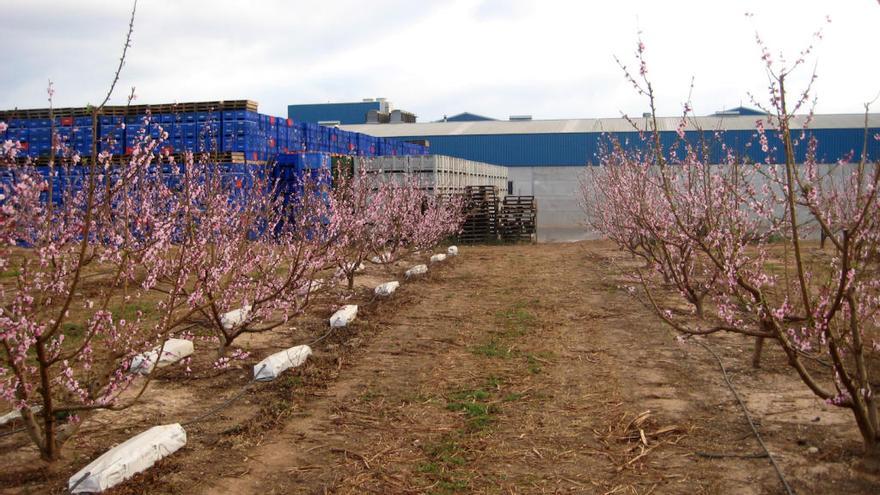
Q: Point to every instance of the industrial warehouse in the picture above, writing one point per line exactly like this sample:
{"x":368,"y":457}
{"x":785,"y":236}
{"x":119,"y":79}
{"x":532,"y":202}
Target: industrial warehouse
{"x":546,"y":158}
{"x":519,"y":157}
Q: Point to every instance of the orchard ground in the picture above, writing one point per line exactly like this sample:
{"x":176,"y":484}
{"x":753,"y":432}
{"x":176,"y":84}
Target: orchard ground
{"x":510,"y":369}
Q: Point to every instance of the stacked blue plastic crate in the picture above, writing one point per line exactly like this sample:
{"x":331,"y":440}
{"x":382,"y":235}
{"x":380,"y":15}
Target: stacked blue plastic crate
{"x":258,"y":136}
{"x":111,"y":133}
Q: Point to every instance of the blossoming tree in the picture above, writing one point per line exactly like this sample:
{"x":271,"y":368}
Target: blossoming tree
{"x":718,"y":232}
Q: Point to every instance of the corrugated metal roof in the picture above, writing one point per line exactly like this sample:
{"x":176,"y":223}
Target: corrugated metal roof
{"x":710,"y":123}
{"x":466,"y":117}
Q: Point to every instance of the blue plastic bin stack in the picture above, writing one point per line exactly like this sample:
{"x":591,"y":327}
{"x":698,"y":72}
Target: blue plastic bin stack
{"x":251,"y":136}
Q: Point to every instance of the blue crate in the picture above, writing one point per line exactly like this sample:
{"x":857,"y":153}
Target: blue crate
{"x":134,"y":119}
{"x":189,"y":130}
{"x":18,"y":134}
{"x":17,"y":123}
{"x":39,"y":123}
{"x":232,"y":115}
{"x":209,"y":117}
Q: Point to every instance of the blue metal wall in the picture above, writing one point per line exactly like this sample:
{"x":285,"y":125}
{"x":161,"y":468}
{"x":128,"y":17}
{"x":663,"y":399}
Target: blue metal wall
{"x":345,"y":113}
{"x":575,"y":149}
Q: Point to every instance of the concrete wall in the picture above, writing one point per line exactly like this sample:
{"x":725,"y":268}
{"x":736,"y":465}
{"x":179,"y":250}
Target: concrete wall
{"x":560,"y":218}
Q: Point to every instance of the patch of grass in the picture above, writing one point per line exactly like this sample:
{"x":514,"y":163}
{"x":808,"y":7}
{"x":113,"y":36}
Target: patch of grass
{"x":476,"y":408}
{"x":491,"y":349}
{"x":533,"y":365}
{"x":517,"y":319}
{"x":470,"y":395}
{"x":512,"y":397}
{"x":130,"y":311}
{"x":445,"y":457}
{"x":10,"y":273}
{"x":73,"y":330}
{"x":452,"y":486}
{"x":446,"y":453}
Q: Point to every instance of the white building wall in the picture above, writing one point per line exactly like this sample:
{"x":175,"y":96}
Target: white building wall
{"x":560,"y":217}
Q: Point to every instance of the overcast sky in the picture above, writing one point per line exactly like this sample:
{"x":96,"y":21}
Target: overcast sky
{"x":547,"y":58}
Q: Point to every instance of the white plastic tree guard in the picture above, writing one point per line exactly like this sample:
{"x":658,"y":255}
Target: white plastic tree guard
{"x":125,"y":460}
{"x":387,"y":288}
{"x":269,"y":368}
{"x":173,"y":351}
{"x":359,"y":268}
{"x":416,"y":271}
{"x":438,"y":257}
{"x":234,"y":318}
{"x":16,"y":414}
{"x":310,"y":287}
{"x":383,"y":259}
{"x":344,"y":316}
{"x":452,"y":250}
{"x":316,"y":285}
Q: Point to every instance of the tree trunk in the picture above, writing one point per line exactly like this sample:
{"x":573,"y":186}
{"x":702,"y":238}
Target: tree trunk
{"x":871,"y":458}
{"x":221,"y":348}
{"x":756,"y":357}
{"x":351,"y":281}
{"x":698,"y":305}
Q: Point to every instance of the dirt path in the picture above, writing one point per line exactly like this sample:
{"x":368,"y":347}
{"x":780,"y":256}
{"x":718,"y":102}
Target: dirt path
{"x":528,"y":371}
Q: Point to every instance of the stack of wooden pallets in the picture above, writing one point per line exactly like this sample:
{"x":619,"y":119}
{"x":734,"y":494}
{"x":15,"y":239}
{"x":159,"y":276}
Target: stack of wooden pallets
{"x":517,"y":220}
{"x":481,"y":207}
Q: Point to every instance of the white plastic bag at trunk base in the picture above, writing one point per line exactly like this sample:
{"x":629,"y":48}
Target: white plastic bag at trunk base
{"x":381,"y":260}
{"x":16,"y":414}
{"x":173,"y":351}
{"x":387,"y":288}
{"x":234,"y":318}
{"x":344,"y":316}
{"x":128,"y":458}
{"x":359,"y":268}
{"x":269,"y":368}
{"x":438,"y":257}
{"x":312,"y":286}
{"x":417,"y":270}
{"x":316,"y":285}
{"x":452,"y":250}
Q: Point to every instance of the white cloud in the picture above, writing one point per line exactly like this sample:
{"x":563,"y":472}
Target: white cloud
{"x":551,"y":58}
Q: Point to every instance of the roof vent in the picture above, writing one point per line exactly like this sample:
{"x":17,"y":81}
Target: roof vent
{"x":520,"y":117}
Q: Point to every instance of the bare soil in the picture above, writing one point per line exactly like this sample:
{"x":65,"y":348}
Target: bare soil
{"x":510,"y":369}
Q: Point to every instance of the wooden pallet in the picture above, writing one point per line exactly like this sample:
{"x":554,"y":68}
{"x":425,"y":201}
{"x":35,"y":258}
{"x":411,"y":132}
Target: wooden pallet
{"x":517,"y":220}
{"x":481,"y":221}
